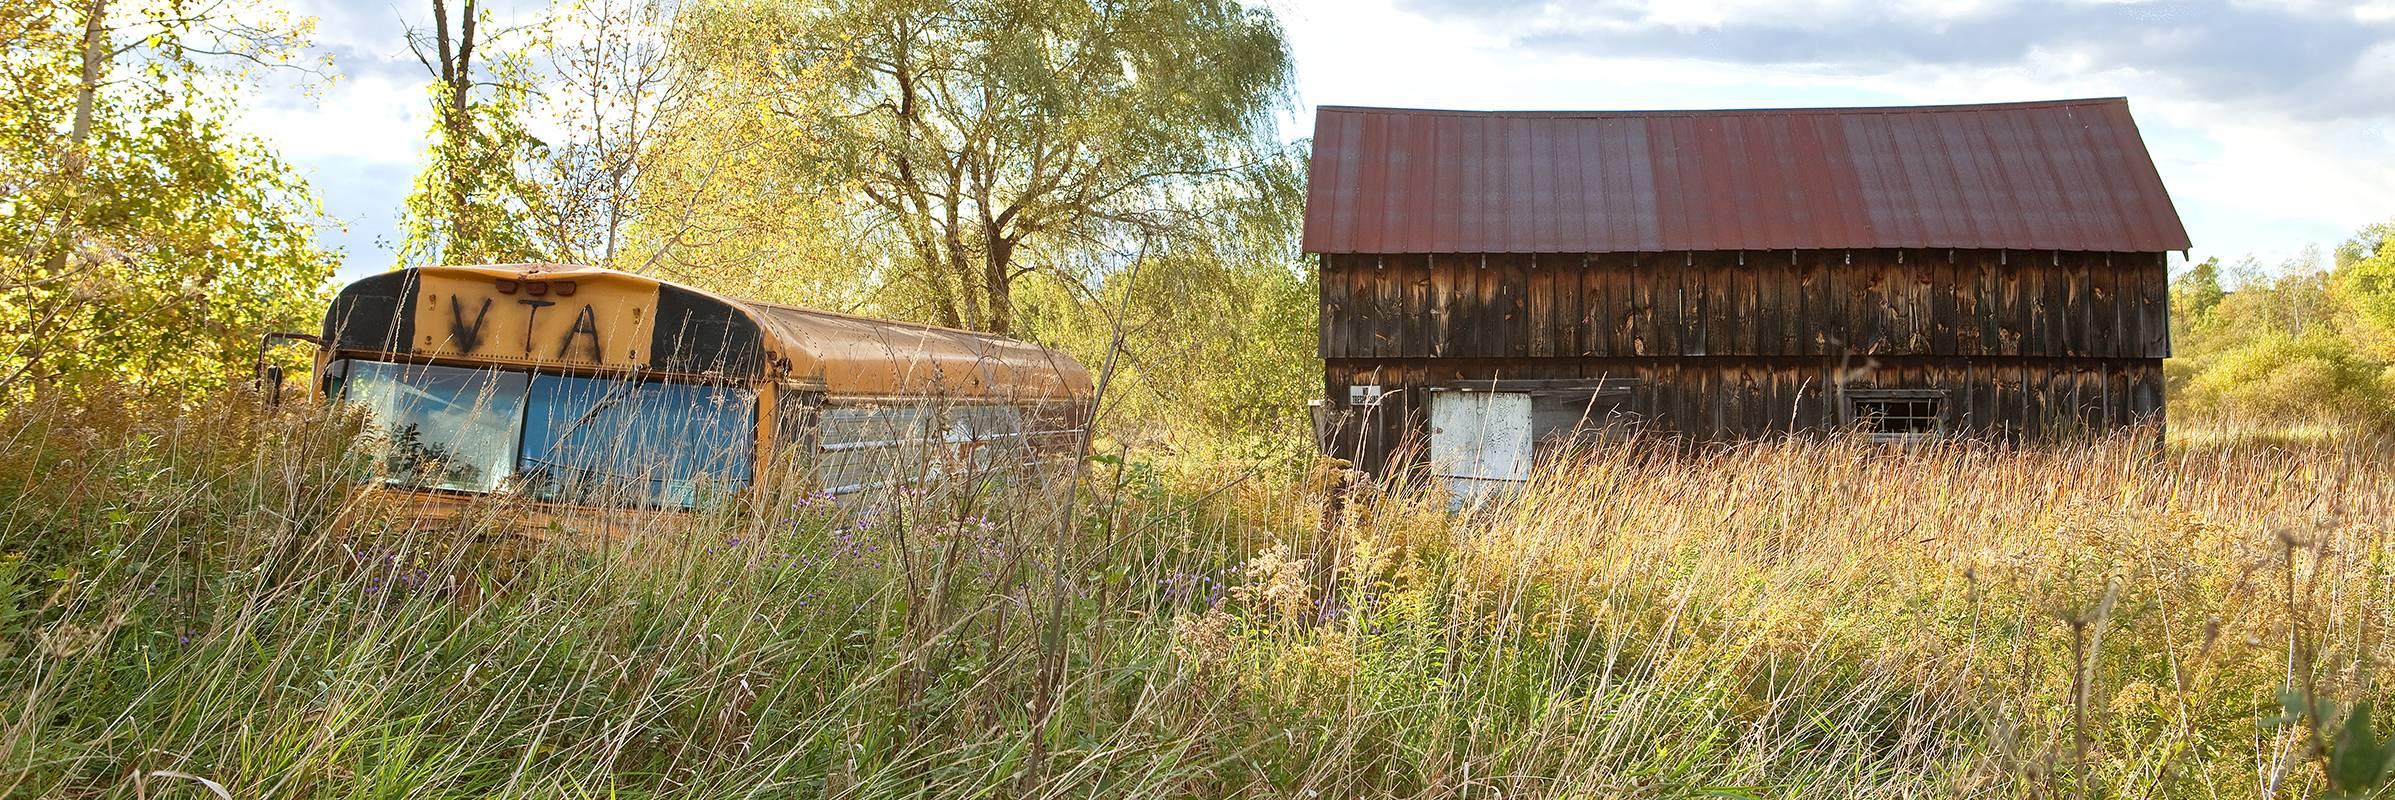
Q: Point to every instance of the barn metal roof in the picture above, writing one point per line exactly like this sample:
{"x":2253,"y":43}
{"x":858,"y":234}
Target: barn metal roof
{"x":2055,"y":175}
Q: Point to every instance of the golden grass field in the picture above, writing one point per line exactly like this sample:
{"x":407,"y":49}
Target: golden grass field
{"x":1797,"y":618}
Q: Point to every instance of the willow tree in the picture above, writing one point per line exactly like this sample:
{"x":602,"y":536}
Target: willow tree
{"x":981,"y":141}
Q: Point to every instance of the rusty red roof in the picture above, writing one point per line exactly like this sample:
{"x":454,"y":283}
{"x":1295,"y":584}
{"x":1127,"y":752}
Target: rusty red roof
{"x":2057,"y":175}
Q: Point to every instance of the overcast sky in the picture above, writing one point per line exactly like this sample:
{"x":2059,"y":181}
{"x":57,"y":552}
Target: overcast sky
{"x":2273,"y":123}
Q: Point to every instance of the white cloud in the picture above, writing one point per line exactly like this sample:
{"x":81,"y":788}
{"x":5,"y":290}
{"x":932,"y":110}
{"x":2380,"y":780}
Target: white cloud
{"x":369,"y":119}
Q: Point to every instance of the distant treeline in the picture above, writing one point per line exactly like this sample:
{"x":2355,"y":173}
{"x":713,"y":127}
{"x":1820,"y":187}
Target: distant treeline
{"x":2298,"y":345}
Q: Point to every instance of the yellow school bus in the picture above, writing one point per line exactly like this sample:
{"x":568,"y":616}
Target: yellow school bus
{"x":593,"y":401}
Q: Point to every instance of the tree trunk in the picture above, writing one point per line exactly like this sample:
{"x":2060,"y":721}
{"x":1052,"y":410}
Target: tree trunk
{"x":78,"y":154}
{"x":95,"y":55}
{"x":998,"y":280}
{"x":456,"y":75}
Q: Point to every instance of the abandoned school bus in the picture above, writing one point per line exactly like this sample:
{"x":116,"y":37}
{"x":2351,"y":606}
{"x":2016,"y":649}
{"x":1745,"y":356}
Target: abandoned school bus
{"x":601,"y":400}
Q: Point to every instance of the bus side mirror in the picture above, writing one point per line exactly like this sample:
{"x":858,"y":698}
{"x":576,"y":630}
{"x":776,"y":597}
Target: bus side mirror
{"x":270,"y":376}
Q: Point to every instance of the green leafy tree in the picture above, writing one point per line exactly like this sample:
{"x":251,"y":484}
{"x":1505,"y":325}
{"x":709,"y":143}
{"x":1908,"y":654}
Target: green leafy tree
{"x":680,"y":158}
{"x":2197,"y":292}
{"x":2366,"y":283}
{"x":142,"y":242}
{"x":977,"y":142}
{"x":475,"y":201}
{"x":1217,"y":326}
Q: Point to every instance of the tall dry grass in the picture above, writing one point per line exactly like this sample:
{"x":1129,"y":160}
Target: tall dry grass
{"x":1792,"y":618}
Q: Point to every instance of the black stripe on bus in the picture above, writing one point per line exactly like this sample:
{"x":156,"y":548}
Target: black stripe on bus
{"x":375,"y":313}
{"x":695,"y":333}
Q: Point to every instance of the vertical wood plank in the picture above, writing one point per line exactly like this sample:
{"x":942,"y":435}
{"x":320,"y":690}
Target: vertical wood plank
{"x":1418,"y":319}
{"x":1712,"y":270}
{"x":2058,"y":307}
{"x":1388,"y":290}
{"x":1596,"y":308}
{"x":1623,"y":304}
{"x":2032,"y":287}
{"x":2118,"y":387}
{"x":1332,"y":317}
{"x":2103,"y":317}
{"x":1363,"y":307}
{"x":1747,"y":293}
{"x":1484,"y":326}
{"x":1515,"y":283}
{"x":1966,"y":307}
{"x":1945,"y":302}
{"x":1864,"y":306}
{"x":1690,"y":328}
{"x":2154,"y":302}
{"x":1670,"y":298}
{"x":1568,"y":270}
{"x":2079,"y":325}
{"x":2010,"y":314}
{"x":1444,"y":272}
{"x":1539,"y":322}
{"x":1792,"y":298}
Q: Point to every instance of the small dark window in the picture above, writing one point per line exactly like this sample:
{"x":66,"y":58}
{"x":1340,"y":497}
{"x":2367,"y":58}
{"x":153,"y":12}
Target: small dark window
{"x":1898,"y":415}
{"x":794,"y":416}
{"x":1582,"y":417}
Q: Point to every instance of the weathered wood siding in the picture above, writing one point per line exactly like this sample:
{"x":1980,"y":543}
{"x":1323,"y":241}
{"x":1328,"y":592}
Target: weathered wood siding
{"x":1809,"y":303}
{"x":1726,"y":345}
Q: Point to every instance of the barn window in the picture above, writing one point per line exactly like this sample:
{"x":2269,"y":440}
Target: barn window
{"x":1566,"y":418}
{"x":1897,"y":415}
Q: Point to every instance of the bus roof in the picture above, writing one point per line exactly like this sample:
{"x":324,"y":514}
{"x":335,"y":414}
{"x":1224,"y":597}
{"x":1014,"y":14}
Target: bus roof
{"x":863,"y":355}
{"x":685,"y":331}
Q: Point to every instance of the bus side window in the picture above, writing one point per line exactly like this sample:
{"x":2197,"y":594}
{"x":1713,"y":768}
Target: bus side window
{"x":869,"y":446}
{"x":995,"y":437}
{"x":795,"y":416}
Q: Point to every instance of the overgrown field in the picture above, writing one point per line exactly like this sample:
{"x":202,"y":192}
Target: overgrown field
{"x":1796,"y":618}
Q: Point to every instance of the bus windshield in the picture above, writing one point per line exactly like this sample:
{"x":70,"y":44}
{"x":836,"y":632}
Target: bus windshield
{"x":560,"y":438}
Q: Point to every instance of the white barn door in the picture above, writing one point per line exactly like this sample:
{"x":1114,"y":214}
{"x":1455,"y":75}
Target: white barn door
{"x":1480,"y":441}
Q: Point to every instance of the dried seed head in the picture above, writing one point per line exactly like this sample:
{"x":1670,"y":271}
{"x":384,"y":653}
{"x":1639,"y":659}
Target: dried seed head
{"x":2290,"y":538}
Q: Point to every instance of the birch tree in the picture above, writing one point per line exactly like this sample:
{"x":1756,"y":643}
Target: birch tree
{"x":142,"y":241}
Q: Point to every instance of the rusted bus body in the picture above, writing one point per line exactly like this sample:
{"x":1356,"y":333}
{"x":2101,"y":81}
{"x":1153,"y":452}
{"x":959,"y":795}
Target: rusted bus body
{"x":2016,"y":345}
{"x":631,"y":399}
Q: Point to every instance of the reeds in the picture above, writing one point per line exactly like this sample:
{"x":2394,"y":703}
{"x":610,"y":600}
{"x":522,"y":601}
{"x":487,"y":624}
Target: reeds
{"x":1785,"y":618}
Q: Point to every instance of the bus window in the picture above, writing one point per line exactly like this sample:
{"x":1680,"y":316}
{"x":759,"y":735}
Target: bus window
{"x":794,"y":417}
{"x":438,"y":427}
{"x":615,"y":442}
{"x":866,"y":447}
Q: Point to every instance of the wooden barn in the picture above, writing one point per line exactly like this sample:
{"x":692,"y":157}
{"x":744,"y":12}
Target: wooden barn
{"x":1497,"y":281}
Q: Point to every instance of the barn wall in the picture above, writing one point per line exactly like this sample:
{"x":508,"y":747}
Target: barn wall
{"x":1728,"y":397}
{"x":1755,"y":303}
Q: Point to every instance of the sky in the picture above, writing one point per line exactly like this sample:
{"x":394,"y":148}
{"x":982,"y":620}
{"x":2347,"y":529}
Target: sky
{"x":2273,"y":123}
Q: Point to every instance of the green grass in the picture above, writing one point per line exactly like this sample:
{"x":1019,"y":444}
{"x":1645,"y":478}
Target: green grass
{"x":1813,"y":619}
